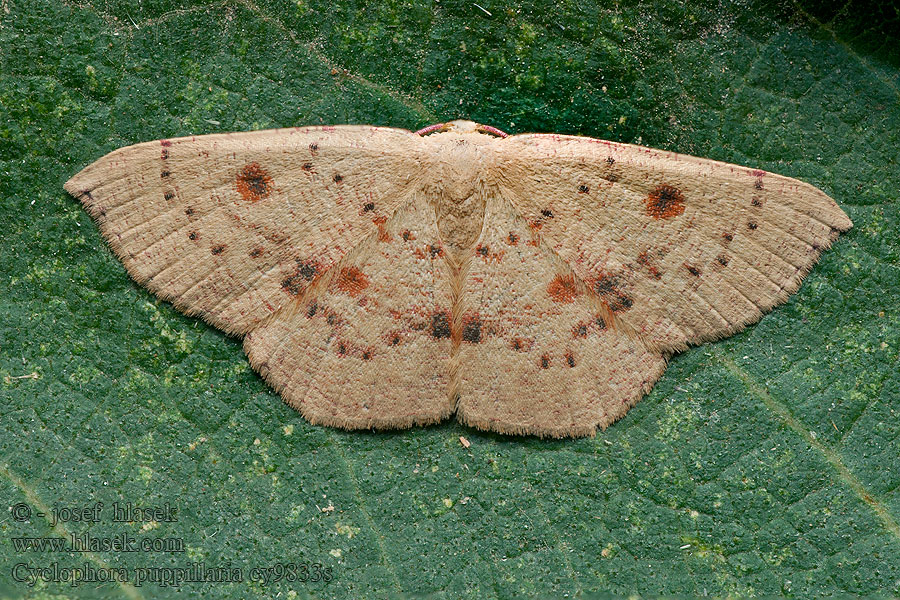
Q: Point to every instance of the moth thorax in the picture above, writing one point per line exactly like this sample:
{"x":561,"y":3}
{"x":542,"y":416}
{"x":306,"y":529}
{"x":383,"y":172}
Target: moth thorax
{"x":460,"y":220}
{"x":460,"y":168}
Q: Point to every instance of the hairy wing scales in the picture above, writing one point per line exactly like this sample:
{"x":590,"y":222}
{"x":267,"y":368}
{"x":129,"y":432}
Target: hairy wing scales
{"x":671,"y":242}
{"x":545,"y":361}
{"x":228,"y":226}
{"x":367,"y":346}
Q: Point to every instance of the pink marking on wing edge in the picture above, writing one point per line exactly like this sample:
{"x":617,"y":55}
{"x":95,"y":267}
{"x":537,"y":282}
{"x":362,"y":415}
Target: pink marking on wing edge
{"x":492,"y":130}
{"x":430,"y":129}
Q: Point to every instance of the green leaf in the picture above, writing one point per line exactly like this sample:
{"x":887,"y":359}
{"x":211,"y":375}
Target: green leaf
{"x":765,"y":464}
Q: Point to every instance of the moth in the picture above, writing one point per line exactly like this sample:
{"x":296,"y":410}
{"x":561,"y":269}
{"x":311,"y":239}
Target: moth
{"x":528,"y":284}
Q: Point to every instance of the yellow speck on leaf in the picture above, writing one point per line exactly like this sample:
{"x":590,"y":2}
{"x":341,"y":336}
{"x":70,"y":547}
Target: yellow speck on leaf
{"x":347,"y":530}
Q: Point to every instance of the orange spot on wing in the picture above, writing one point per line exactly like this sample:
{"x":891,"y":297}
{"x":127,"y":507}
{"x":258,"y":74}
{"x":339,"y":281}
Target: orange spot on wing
{"x":562,"y":289}
{"x":665,"y":202}
{"x":383,"y":235}
{"x":253,"y":183}
{"x":352,"y":281}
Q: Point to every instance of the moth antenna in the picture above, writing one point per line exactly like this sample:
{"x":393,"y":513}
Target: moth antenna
{"x":492,"y":131}
{"x":431,"y":129}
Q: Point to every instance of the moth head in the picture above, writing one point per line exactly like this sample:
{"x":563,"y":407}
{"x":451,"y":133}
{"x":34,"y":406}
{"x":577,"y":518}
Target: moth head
{"x":461,"y":126}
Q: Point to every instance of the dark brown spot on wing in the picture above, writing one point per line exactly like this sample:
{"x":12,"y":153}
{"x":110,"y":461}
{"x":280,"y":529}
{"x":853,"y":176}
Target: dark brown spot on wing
{"x":583,"y":189}
{"x":296,"y":283}
{"x":218,"y":249}
{"x":545,"y":362}
{"x":521,"y":344}
{"x":338,"y":178}
{"x":440,"y":325}
{"x":193,"y":235}
{"x":665,"y":202}
{"x":513,"y":239}
{"x":570,"y":359}
{"x":471,"y":330}
{"x":583,"y":329}
{"x":722,"y":260}
{"x":256,"y":252}
{"x":546,"y":214}
{"x":645,"y":260}
{"x":253,"y":183}
{"x":307,"y":269}
{"x":293,"y":284}
{"x":313,"y":148}
{"x":692,"y":270}
{"x":752,"y":225}
{"x":168,"y":196}
{"x":609,"y":288}
{"x":368,"y":206}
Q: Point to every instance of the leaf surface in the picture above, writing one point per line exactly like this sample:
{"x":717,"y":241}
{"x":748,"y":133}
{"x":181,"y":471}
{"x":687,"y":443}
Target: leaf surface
{"x":765,"y":464}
